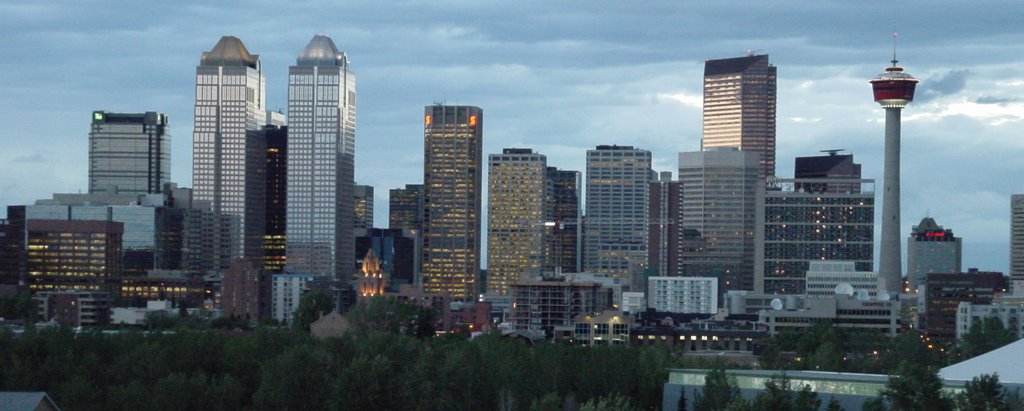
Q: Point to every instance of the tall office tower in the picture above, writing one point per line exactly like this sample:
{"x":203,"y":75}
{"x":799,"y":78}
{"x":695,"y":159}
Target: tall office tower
{"x":718,"y":188}
{"x":566,"y":234}
{"x":893,"y":90}
{"x":801,"y":220}
{"x":228,"y":155}
{"x":274,"y":255}
{"x":517,"y":210}
{"x":739,"y":107}
{"x":362,"y":206}
{"x":1017,"y":235}
{"x":131,"y":151}
{"x":615,"y":230}
{"x":932,"y":249}
{"x":405,"y":207}
{"x":321,"y":161}
{"x":663,"y":235}
{"x":452,"y":177}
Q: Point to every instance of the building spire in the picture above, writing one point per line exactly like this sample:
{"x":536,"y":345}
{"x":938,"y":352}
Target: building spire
{"x":894,"y":61}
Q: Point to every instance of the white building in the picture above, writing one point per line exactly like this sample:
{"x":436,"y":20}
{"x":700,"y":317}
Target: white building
{"x":286,"y":289}
{"x":1010,"y":311}
{"x":228,"y":157}
{"x":633,"y":302}
{"x":823,"y":276}
{"x":321,"y":161}
{"x":683,"y":294}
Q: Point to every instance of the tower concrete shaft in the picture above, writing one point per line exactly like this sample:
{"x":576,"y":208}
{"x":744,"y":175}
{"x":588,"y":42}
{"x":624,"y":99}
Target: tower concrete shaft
{"x":890,"y":265}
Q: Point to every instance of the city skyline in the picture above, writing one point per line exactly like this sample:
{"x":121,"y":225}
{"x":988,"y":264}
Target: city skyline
{"x":969,"y":89}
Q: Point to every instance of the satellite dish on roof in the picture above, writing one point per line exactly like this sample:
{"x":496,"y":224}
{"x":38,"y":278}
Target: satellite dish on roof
{"x":844,"y":289}
{"x":883,"y":297}
{"x":776,"y":304}
{"x":863,"y":295}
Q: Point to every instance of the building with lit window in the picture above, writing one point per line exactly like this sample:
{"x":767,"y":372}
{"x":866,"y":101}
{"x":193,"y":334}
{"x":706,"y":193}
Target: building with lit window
{"x":321,"y":161}
{"x":683,"y":294}
{"x":945,"y":291}
{"x":277,"y":197}
{"x":663,"y":232}
{"x":452,"y":196}
{"x":932,"y":249}
{"x":739,"y":107}
{"x":548,"y":304}
{"x":517,"y":210}
{"x":609,"y":327}
{"x":824,"y":276}
{"x":717,"y":190}
{"x":398,"y":252}
{"x":362,"y":203}
{"x":130,"y":151}
{"x":615,"y":230}
{"x":405,"y":207}
{"x":228,"y":155}
{"x":73,"y":255}
{"x":800,"y":220}
{"x":246,"y":291}
{"x":566,"y":232}
{"x":183,"y":291}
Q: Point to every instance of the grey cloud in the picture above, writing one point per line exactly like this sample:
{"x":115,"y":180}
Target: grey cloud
{"x":951,"y":82}
{"x":996,"y":100}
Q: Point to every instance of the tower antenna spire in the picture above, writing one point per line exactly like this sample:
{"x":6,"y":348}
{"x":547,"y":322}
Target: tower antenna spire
{"x":894,"y":61}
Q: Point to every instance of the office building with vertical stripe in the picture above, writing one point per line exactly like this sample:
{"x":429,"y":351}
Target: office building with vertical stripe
{"x":739,"y":107}
{"x":131,"y":151}
{"x":615,"y":230}
{"x":517,"y":211}
{"x":452,"y":194}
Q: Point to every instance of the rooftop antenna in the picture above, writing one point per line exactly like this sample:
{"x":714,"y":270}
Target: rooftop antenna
{"x":833,"y":151}
{"x":894,"y":61}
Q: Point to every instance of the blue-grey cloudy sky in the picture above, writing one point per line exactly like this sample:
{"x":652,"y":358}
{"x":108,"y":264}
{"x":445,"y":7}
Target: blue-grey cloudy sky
{"x":559,"y":77}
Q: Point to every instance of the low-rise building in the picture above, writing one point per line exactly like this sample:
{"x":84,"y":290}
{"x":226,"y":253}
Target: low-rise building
{"x":73,"y":308}
{"x":139,"y":315}
{"x":823,"y":276}
{"x":286,"y":290}
{"x":683,"y":294}
{"x":842,"y":311}
{"x":945,"y":291}
{"x":1009,"y":311}
{"x":609,"y":327}
{"x":545,"y":304}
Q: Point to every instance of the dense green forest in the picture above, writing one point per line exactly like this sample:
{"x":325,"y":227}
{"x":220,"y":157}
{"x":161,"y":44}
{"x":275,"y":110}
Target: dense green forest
{"x":276,"y":369}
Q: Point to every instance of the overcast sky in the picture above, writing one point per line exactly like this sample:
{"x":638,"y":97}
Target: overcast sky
{"x":559,"y":77}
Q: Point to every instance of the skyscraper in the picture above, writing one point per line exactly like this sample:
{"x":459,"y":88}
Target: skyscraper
{"x":717,"y":190}
{"x":452,"y":176}
{"x":277,"y":198}
{"x":362,"y":207}
{"x":739,"y":107}
{"x":567,"y":232}
{"x":131,"y":151}
{"x":1017,"y":235}
{"x":405,"y":207}
{"x":663,"y":251}
{"x":615,"y":230}
{"x":800,"y":220}
{"x":321,"y":161}
{"x":932,"y":249}
{"x":228,"y":155}
{"x":517,"y":210}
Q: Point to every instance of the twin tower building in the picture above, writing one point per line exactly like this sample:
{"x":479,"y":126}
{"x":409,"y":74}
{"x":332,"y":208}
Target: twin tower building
{"x":230,"y":154}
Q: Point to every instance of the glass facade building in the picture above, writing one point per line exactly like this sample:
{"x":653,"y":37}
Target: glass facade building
{"x":517,"y":209}
{"x":931,"y":249}
{"x":321,"y":161}
{"x":452,"y":196}
{"x":739,"y":107}
{"x":130,"y":151}
{"x":565,"y":245}
{"x":717,"y":188}
{"x":228,"y":153}
{"x":405,"y":207}
{"x":362,"y":207}
{"x":277,"y":197}
{"x":615,"y":230}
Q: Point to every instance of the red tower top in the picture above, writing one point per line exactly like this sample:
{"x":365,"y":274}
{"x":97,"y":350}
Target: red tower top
{"x":894,"y":88}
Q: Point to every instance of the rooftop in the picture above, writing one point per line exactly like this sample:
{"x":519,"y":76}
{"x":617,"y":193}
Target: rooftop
{"x":229,"y":51}
{"x":321,"y":51}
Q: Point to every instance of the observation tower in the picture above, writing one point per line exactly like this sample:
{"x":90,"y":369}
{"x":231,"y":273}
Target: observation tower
{"x":893,"y":90}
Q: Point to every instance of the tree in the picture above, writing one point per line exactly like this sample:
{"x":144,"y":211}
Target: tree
{"x":833,"y":405}
{"x":874,"y":404}
{"x":984,"y":336}
{"x":719,"y":390}
{"x":549,"y":402}
{"x":779,"y":395}
{"x":392,"y":315}
{"x":17,"y":307}
{"x":982,"y":393}
{"x":312,"y":305}
{"x":612,"y":402}
{"x":681,"y":405}
{"x":915,"y":388}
